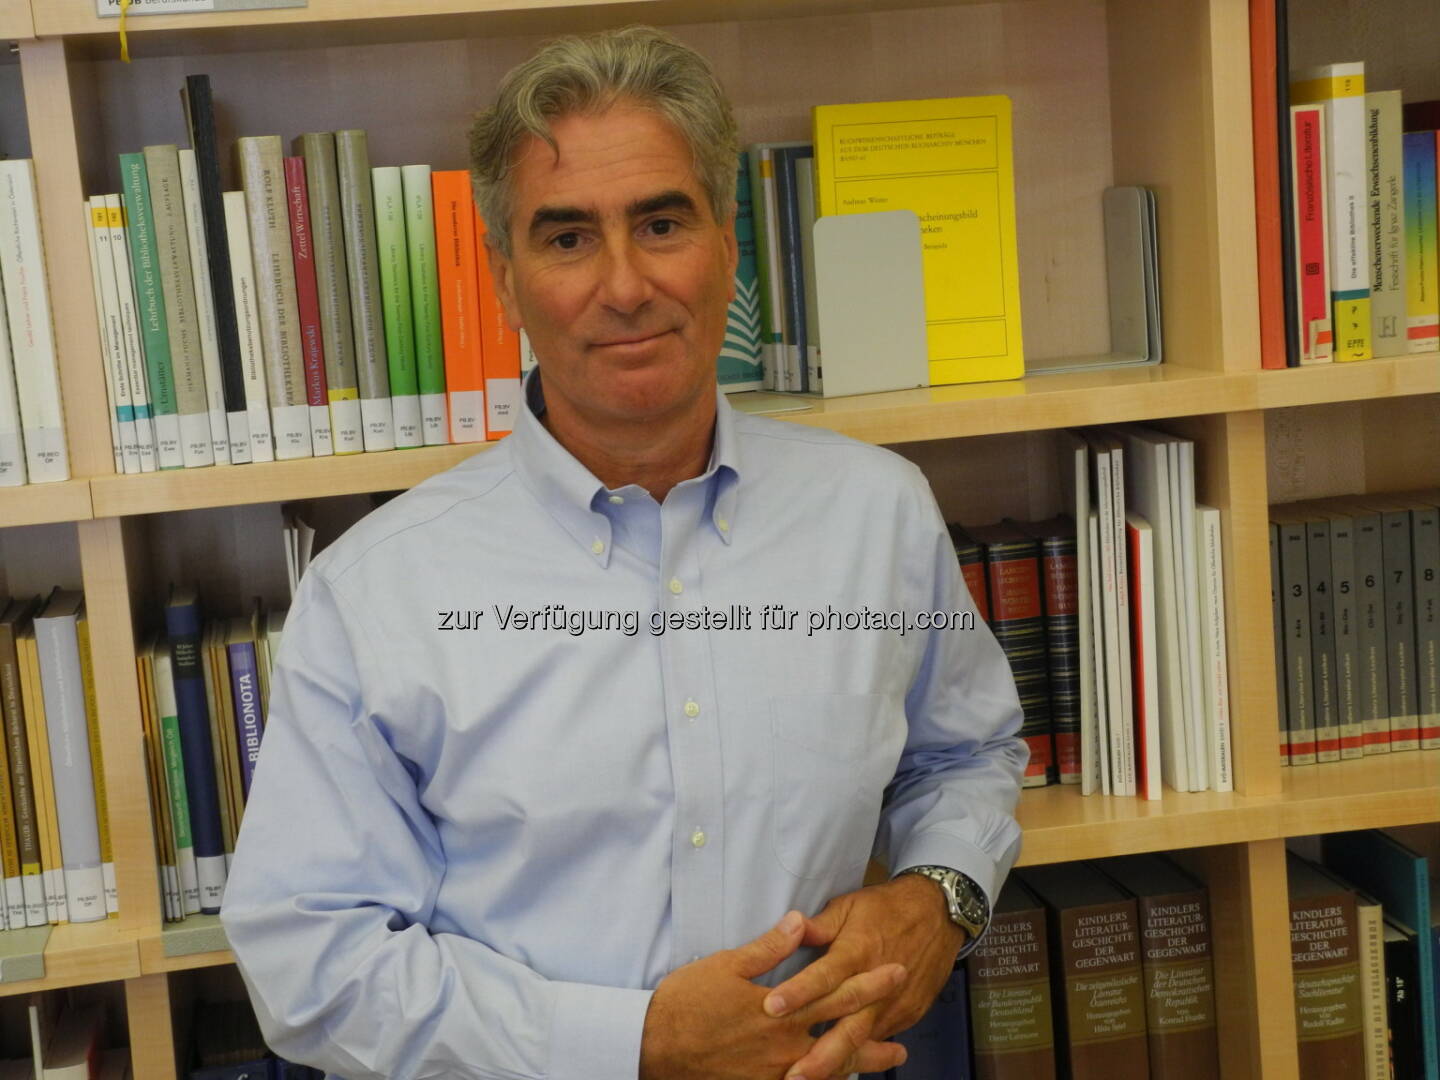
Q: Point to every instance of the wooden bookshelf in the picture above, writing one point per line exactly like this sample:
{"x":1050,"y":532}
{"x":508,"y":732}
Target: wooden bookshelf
{"x":74,"y":954}
{"x":1105,"y":92}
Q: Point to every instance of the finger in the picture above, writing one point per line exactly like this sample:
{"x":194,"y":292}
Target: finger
{"x":814,"y":981}
{"x":833,"y":1052}
{"x":756,"y":957}
{"x":822,"y":929}
{"x":872,"y":987}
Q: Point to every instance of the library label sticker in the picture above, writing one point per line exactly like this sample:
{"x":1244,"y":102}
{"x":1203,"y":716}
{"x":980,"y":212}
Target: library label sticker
{"x":110,"y":9}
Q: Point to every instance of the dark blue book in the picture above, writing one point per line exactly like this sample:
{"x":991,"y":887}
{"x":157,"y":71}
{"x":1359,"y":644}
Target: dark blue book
{"x":1402,"y":999}
{"x":792,"y":262}
{"x":259,"y":1069}
{"x":182,"y":623}
{"x":939,"y":1044}
{"x":245,"y":693}
{"x":1400,"y":880}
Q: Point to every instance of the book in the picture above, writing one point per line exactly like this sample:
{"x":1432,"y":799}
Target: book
{"x":1345,"y":632}
{"x":792,"y":280}
{"x":130,"y":332}
{"x":1324,"y":943}
{"x":1322,"y":642}
{"x":352,"y":159}
{"x":1422,"y":271}
{"x":1342,"y":88}
{"x":205,"y":306}
{"x":1144,"y":668}
{"x":1075,"y":490}
{"x":972,"y":568}
{"x":1215,"y":671}
{"x":24,"y":901}
{"x":1295,"y":610}
{"x":245,"y":688}
{"x":739,"y":366}
{"x":97,"y":767}
{"x":1425,"y":550}
{"x":425,"y":300}
{"x":1056,"y":538}
{"x":176,"y":787}
{"x":337,"y":333}
{"x":938,"y":1044}
{"x":1315,"y":330}
{"x":1402,"y":1000}
{"x":1010,"y":1004}
{"x":393,"y":258}
{"x":52,"y":877}
{"x":1385,"y":224}
{"x":247,"y":323}
{"x":1267,"y":127}
{"x":32,"y":335}
{"x":950,"y":161}
{"x":307,"y":301}
{"x":112,"y":338}
{"x":261,"y":166}
{"x":499,"y":347}
{"x":459,"y":304}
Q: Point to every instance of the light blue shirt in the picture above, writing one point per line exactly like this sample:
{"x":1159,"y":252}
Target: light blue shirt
{"x":474,"y":852}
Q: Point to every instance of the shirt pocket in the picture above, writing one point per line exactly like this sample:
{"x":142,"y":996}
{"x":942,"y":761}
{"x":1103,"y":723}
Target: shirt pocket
{"x":832,"y":756}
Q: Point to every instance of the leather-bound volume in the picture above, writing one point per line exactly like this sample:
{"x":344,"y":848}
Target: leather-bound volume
{"x":1325,"y":958}
{"x":1013,"y":1037}
{"x":1095,"y":973}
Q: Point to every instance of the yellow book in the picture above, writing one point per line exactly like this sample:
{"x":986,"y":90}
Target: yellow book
{"x":97,"y":767}
{"x":159,"y":798}
{"x":51,"y":869}
{"x":10,"y":849}
{"x":950,"y":161}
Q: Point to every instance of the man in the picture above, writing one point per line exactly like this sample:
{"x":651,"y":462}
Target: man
{"x":577,"y":837}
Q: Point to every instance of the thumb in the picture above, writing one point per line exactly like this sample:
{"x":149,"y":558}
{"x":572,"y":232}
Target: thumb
{"x":755,"y":958}
{"x":822,"y":929}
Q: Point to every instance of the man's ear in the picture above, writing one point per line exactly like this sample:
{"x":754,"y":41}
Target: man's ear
{"x":502,"y":272}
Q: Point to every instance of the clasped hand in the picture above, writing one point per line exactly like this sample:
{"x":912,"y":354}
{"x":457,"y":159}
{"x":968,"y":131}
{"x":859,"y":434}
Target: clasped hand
{"x":889,"y":950}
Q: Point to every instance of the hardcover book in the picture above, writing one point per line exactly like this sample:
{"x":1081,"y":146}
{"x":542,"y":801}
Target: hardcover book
{"x":1324,"y":945}
{"x":1010,"y":1005}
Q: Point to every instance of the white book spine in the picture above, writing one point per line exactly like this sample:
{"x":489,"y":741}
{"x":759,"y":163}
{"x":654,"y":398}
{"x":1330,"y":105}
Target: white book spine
{"x":1184,"y":451}
{"x":102,"y":325}
{"x":247,"y":320}
{"x":32,"y":337}
{"x":1097,"y":631}
{"x":112,"y":333}
{"x":205,"y":307}
{"x":112,"y":890}
{"x":377,"y":423}
{"x":130,"y":334}
{"x":1075,"y":464}
{"x":1116,"y":690}
{"x":15,"y":913}
{"x":433,"y":418}
{"x":467,"y":415}
{"x":1214,"y":663}
{"x":35,"y":899}
{"x":12,"y":444}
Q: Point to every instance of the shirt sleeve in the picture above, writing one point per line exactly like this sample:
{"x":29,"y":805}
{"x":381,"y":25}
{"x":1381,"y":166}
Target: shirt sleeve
{"x":952,"y":801}
{"x":335,"y":877}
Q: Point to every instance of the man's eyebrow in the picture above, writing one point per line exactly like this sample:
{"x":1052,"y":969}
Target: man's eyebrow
{"x":666,"y":200}
{"x":560,"y":215}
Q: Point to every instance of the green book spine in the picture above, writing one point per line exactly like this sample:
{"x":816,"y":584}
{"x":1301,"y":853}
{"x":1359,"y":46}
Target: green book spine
{"x":150,"y":296}
{"x":394,"y":259}
{"x":425,"y":301}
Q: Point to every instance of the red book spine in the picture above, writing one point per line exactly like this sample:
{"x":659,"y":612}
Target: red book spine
{"x":307,"y":295}
{"x":1312,"y":260}
{"x":1265,"y":134}
{"x":1018,"y":625}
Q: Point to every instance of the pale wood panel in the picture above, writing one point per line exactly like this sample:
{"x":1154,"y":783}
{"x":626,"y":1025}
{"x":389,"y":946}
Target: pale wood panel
{"x":980,"y":481}
{"x":1389,"y":376}
{"x":1396,"y":40}
{"x":15,"y":20}
{"x":1348,"y":448}
{"x":67,"y":255}
{"x":32,"y":504}
{"x":152,"y":1036}
{"x":78,"y":954}
{"x":1048,"y":55}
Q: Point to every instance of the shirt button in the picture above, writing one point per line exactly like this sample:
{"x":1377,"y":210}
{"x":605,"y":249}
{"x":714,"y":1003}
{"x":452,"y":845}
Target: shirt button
{"x":617,"y":499}
{"x":675,"y":586}
{"x":692,"y":710}
{"x":697,"y":838}
{"x":598,"y":547}
{"x":722,"y":525}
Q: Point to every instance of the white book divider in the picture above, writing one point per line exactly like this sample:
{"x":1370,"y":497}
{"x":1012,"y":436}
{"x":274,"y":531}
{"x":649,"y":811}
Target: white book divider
{"x":870,"y":292}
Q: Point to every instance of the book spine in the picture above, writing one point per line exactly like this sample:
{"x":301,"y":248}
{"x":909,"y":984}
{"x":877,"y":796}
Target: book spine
{"x":1370,"y":615}
{"x":1145,"y":689}
{"x":791,"y":272}
{"x":97,"y":767}
{"x":972,"y":569}
{"x":1315,"y":334}
{"x":1214,"y":663}
{"x":739,"y":366}
{"x":1099,"y":966}
{"x":1400,"y":629}
{"x":107,"y":315}
{"x":32,"y":335}
{"x":1278,"y":626}
{"x":1385,"y":222}
{"x":1342,"y":88}
{"x":392,"y":254}
{"x":1100,"y":741}
{"x":102,"y":324}
{"x":1295,"y":604}
{"x":327,"y":233}
{"x":247,"y":324}
{"x":70,"y":769}
{"x":805,"y":211}
{"x":182,"y":623}
{"x":1010,"y":1013}
{"x":767,"y":237}
{"x":177,"y":281}
{"x":262,"y":173}
{"x":205,"y":307}
{"x":1402,"y":1007}
{"x":12,"y":905}
{"x":1013,"y":571}
{"x":1179,"y":986}
{"x":1057,"y":564}
{"x":177,"y":788}
{"x":307,"y":300}
{"x":1322,"y":642}
{"x":1422,"y":271}
{"x":352,"y":157}
{"x":1260,"y":15}
{"x":1324,"y":944}
{"x":245,"y":688}
{"x":130,"y":330}
{"x":1116,"y":689}
{"x":1346,"y":633}
{"x":1371,"y":927}
{"x":1425,"y":547}
{"x":28,"y":908}
{"x":150,"y":300}
{"x":459,"y":304}
{"x":52,"y":878}
{"x":1270,"y":218}
{"x":199,"y":110}
{"x":425,"y":302}
{"x":12,"y":444}
{"x":155,"y":784}
{"x":226,"y":751}
{"x":499,"y":348}
{"x":1126,"y":728}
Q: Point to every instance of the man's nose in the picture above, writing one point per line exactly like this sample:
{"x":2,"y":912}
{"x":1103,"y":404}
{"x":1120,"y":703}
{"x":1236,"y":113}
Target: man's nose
{"x":624,"y":285}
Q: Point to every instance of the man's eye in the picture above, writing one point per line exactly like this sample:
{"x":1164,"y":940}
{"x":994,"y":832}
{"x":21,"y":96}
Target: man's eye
{"x":663,"y":226}
{"x":567,"y":241}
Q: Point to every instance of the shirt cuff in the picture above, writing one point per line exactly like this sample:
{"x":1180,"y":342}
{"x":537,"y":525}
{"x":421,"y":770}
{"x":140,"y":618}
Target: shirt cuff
{"x":935,"y":847}
{"x":597,"y":1032}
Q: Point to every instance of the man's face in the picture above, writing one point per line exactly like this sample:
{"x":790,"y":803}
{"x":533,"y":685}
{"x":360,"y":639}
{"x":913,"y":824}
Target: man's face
{"x":619,"y":272}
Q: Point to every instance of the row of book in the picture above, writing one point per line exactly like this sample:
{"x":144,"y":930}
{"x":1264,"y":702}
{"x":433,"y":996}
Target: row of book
{"x":205,"y":689}
{"x":32,"y":420}
{"x":66,"y":1036}
{"x":1115,"y":632}
{"x":1093,"y":971}
{"x":227,"y":1045}
{"x":1362,"y":277}
{"x":1355,"y":600}
{"x":55,"y":846}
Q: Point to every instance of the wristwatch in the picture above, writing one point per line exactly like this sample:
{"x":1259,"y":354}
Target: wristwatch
{"x":969,"y":909}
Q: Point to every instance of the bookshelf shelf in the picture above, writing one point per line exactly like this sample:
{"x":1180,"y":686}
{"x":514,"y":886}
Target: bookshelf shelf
{"x":38,"y":504}
{"x":15,"y":20}
{"x":1390,"y":376}
{"x":78,"y":954}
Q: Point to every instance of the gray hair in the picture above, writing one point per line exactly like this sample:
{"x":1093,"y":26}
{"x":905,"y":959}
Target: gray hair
{"x":588,"y":74}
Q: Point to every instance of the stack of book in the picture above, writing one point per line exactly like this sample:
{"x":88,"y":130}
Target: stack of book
{"x":205,"y":688}
{"x":54,"y":825}
{"x":1355,"y":598}
{"x":228,"y":1045}
{"x":67,"y":1030}
{"x":1095,"y":971}
{"x":1115,"y":631}
{"x":32,"y":420}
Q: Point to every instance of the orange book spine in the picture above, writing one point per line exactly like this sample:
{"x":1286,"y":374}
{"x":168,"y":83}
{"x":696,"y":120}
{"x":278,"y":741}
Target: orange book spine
{"x":459,"y":303}
{"x":501,"y":349}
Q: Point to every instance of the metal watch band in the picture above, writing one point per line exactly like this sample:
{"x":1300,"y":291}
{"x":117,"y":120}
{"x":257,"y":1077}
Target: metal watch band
{"x":968,"y":906}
